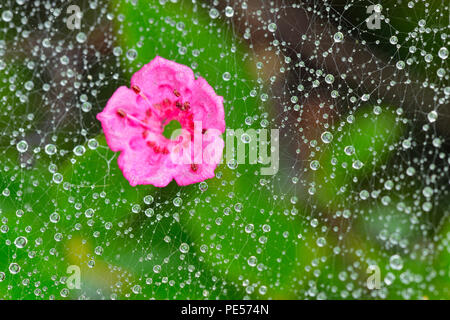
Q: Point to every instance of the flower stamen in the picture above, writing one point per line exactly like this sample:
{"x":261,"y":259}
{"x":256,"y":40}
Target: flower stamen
{"x":123,"y":114}
{"x":136,"y":89}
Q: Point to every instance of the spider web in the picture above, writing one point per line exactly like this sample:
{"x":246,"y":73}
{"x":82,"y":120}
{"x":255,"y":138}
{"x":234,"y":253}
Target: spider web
{"x":361,"y":193}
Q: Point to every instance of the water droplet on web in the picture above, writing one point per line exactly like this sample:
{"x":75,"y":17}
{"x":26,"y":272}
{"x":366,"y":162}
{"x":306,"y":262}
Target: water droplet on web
{"x":329,"y":78}
{"x":249,"y":228}
{"x":427,"y":192}
{"x":406,"y":144}
{"x":14,"y":268}
{"x":54,"y":217}
{"x":92,"y":144}
{"x":226,"y":76}
{"x":57,"y":178}
{"x":314,"y":165}
{"x":338,"y":37}
{"x":393,"y":40}
{"x":437,"y":142}
{"x":357,"y":164}
{"x":432,"y":116}
{"x":262,"y":290}
{"x":400,"y":65}
{"x":86,"y":106}
{"x":184,"y":248}
{"x":20,"y":242}
{"x":252,"y":261}
{"x":136,"y":208}
{"x":79,"y":150}
{"x":229,"y":11}
{"x":272,"y":27}
{"x":364,"y":194}
{"x":81,"y":37}
{"x":214,"y":13}
{"x":349,"y":150}
{"x":396,"y":262}
{"x":428,"y":58}
{"x":117,"y":51}
{"x":321,"y":241}
{"x":22,"y":146}
{"x":441,"y":72}
{"x":131,"y":54}
{"x":232,"y":164}
{"x":29,"y":85}
{"x":326,"y":137}
{"x":7,"y":15}
{"x":149,"y":212}
{"x":89,"y":213}
{"x":148,"y":199}
{"x":443,"y":53}
{"x":136,"y":289}
{"x":98,"y":250}
{"x":177,"y":201}
{"x":157,"y":268}
{"x":203,"y":186}
{"x":377,"y":110}
{"x":245,"y":138}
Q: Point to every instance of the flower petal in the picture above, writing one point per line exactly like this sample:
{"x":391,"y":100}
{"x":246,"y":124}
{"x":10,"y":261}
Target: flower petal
{"x":118,"y":130}
{"x":145,"y":167}
{"x":207,"y":106}
{"x":158,"y":79}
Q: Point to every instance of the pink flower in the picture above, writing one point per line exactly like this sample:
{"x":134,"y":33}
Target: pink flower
{"x":134,"y":119}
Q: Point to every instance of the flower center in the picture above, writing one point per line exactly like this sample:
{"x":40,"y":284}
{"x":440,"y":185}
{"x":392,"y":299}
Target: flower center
{"x":172,"y":130}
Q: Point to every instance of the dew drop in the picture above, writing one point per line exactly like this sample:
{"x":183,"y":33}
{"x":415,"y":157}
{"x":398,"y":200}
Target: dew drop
{"x":226,"y":76}
{"x":229,"y":11}
{"x":443,"y":53}
{"x":22,"y":146}
{"x":314,"y":165}
{"x":272,"y":27}
{"x":131,"y":54}
{"x":338,"y":37}
{"x":7,"y":15}
{"x":14,"y":268}
{"x":214,"y":13}
{"x":81,"y":37}
{"x":396,"y":262}
{"x":20,"y":242}
{"x":79,"y":150}
{"x":432,"y":116}
{"x":184,"y":248}
{"x":326,"y":137}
